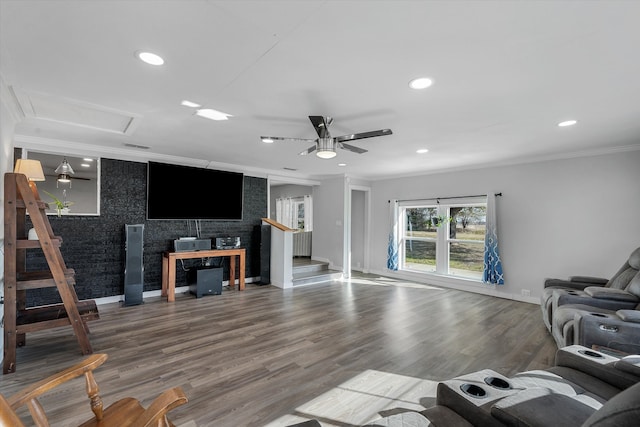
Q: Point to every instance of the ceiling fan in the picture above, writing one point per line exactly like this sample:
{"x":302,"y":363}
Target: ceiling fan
{"x":325,"y":144}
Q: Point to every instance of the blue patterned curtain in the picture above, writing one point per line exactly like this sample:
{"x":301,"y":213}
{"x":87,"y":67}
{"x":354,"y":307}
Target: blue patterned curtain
{"x":392,"y":248}
{"x":492,"y":263}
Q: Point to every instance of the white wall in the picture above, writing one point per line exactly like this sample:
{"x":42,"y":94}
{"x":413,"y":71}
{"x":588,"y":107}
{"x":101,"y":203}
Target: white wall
{"x":328,"y":222}
{"x":555,"y":219}
{"x":8,"y":121}
{"x":358,"y":230}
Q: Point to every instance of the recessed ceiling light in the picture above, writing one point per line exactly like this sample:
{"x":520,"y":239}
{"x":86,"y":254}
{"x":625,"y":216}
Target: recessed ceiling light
{"x":208,"y":113}
{"x":150,"y":58}
{"x":567,"y":123}
{"x":85,"y":165}
{"x":420,"y":83}
{"x":266,"y":139}
{"x":342,"y":164}
{"x":190,"y":104}
{"x":422,"y":151}
{"x":86,"y":159}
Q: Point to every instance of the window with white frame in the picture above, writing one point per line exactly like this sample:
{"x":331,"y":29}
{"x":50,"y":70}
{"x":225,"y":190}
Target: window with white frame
{"x":443,"y":238}
{"x":295,"y":213}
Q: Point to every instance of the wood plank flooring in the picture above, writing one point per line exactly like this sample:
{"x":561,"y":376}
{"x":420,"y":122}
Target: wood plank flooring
{"x":340,"y":352}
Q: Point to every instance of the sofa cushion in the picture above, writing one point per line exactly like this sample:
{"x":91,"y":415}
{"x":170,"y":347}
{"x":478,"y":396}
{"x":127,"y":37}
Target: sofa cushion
{"x":541,"y":407}
{"x":622,"y":410}
{"x":442,"y":416}
{"x":404,"y":419}
{"x":593,"y":387}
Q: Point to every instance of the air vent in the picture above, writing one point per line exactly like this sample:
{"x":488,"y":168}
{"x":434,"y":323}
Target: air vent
{"x":142,"y":147}
{"x":290,"y":169}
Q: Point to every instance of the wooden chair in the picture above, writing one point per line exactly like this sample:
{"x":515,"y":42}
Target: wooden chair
{"x":125,"y":412}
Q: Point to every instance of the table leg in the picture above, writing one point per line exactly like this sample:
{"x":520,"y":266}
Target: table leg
{"x":165,"y":275}
{"x":242,"y":265}
{"x":171,"y":286}
{"x":232,"y":271}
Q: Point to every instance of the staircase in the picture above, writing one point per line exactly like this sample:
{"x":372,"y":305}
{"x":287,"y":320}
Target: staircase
{"x":309,"y":272}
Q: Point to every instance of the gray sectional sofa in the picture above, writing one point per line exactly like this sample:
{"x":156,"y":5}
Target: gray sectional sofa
{"x":585,"y":388}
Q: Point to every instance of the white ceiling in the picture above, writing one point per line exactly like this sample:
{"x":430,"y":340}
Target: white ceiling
{"x":505,"y":73}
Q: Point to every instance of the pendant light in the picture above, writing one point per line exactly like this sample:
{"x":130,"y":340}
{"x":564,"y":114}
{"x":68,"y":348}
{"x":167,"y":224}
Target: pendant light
{"x":64,"y":171}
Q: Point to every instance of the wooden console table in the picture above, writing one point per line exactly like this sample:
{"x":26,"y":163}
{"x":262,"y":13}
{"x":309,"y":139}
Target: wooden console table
{"x":169,"y":267}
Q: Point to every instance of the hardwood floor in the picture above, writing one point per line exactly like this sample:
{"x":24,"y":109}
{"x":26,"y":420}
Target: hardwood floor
{"x":343,"y":353}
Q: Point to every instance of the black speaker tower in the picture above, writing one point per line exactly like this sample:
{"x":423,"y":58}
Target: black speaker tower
{"x":265,"y":254}
{"x":134,"y":268}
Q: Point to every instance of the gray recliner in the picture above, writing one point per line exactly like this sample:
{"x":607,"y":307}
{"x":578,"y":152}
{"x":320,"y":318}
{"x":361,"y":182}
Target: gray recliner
{"x":588,"y":326}
{"x":612,"y":294}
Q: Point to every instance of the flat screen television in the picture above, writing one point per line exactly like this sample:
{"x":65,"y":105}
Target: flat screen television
{"x":184,"y":192}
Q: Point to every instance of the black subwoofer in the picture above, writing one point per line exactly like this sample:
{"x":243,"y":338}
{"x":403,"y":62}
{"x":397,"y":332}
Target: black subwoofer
{"x":205,"y":281}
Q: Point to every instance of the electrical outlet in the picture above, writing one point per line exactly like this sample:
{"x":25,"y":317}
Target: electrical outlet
{"x":526,"y":293}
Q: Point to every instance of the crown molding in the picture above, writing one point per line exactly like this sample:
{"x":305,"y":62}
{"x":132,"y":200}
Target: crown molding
{"x":50,"y":145}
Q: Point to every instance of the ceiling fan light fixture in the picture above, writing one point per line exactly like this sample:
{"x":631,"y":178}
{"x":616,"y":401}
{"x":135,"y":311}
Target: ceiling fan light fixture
{"x":326,"y":154}
{"x":63,"y":177}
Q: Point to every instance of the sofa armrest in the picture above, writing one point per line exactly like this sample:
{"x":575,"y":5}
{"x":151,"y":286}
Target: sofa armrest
{"x":595,"y":364}
{"x":630,"y":364}
{"x":570,"y":296}
{"x":629,"y":315}
{"x":609,"y":331}
{"x":595,"y":281}
{"x":559,"y":283}
{"x":611,"y":294}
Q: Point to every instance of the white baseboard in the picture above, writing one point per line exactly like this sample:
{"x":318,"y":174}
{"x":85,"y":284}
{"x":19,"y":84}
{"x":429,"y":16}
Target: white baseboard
{"x":158,"y":292}
{"x":458,"y":284}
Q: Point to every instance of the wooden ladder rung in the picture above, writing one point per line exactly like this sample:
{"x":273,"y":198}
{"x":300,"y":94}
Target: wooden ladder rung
{"x":35,"y":244}
{"x":41,"y":205}
{"x":41,"y":279}
{"x":51,"y":316}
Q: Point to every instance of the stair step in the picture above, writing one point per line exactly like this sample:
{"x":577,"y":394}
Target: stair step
{"x":312,"y":277}
{"x":310,"y":266}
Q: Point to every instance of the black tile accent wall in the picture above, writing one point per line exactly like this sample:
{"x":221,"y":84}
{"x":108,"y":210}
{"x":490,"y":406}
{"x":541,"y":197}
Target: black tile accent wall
{"x":94,"y":245}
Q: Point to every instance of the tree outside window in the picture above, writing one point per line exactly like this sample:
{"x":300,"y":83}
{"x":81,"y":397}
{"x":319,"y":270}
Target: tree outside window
{"x":444,"y":239}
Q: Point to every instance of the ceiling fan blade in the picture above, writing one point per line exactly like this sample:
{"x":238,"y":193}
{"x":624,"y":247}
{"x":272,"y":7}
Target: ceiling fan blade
{"x":283,"y":138}
{"x":351,"y":148}
{"x":72,"y":177}
{"x":308,"y":151}
{"x":321,"y":125}
{"x":362,"y":135}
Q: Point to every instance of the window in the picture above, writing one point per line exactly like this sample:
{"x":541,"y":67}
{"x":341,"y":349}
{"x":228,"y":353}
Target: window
{"x":298,"y":208}
{"x":295,"y":213}
{"x":443,"y":238}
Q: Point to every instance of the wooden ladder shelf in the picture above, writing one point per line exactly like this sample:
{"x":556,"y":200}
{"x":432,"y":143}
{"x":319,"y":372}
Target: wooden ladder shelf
{"x":22,"y":197}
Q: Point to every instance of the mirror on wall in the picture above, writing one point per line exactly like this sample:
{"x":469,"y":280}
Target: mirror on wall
{"x":78,"y":191}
